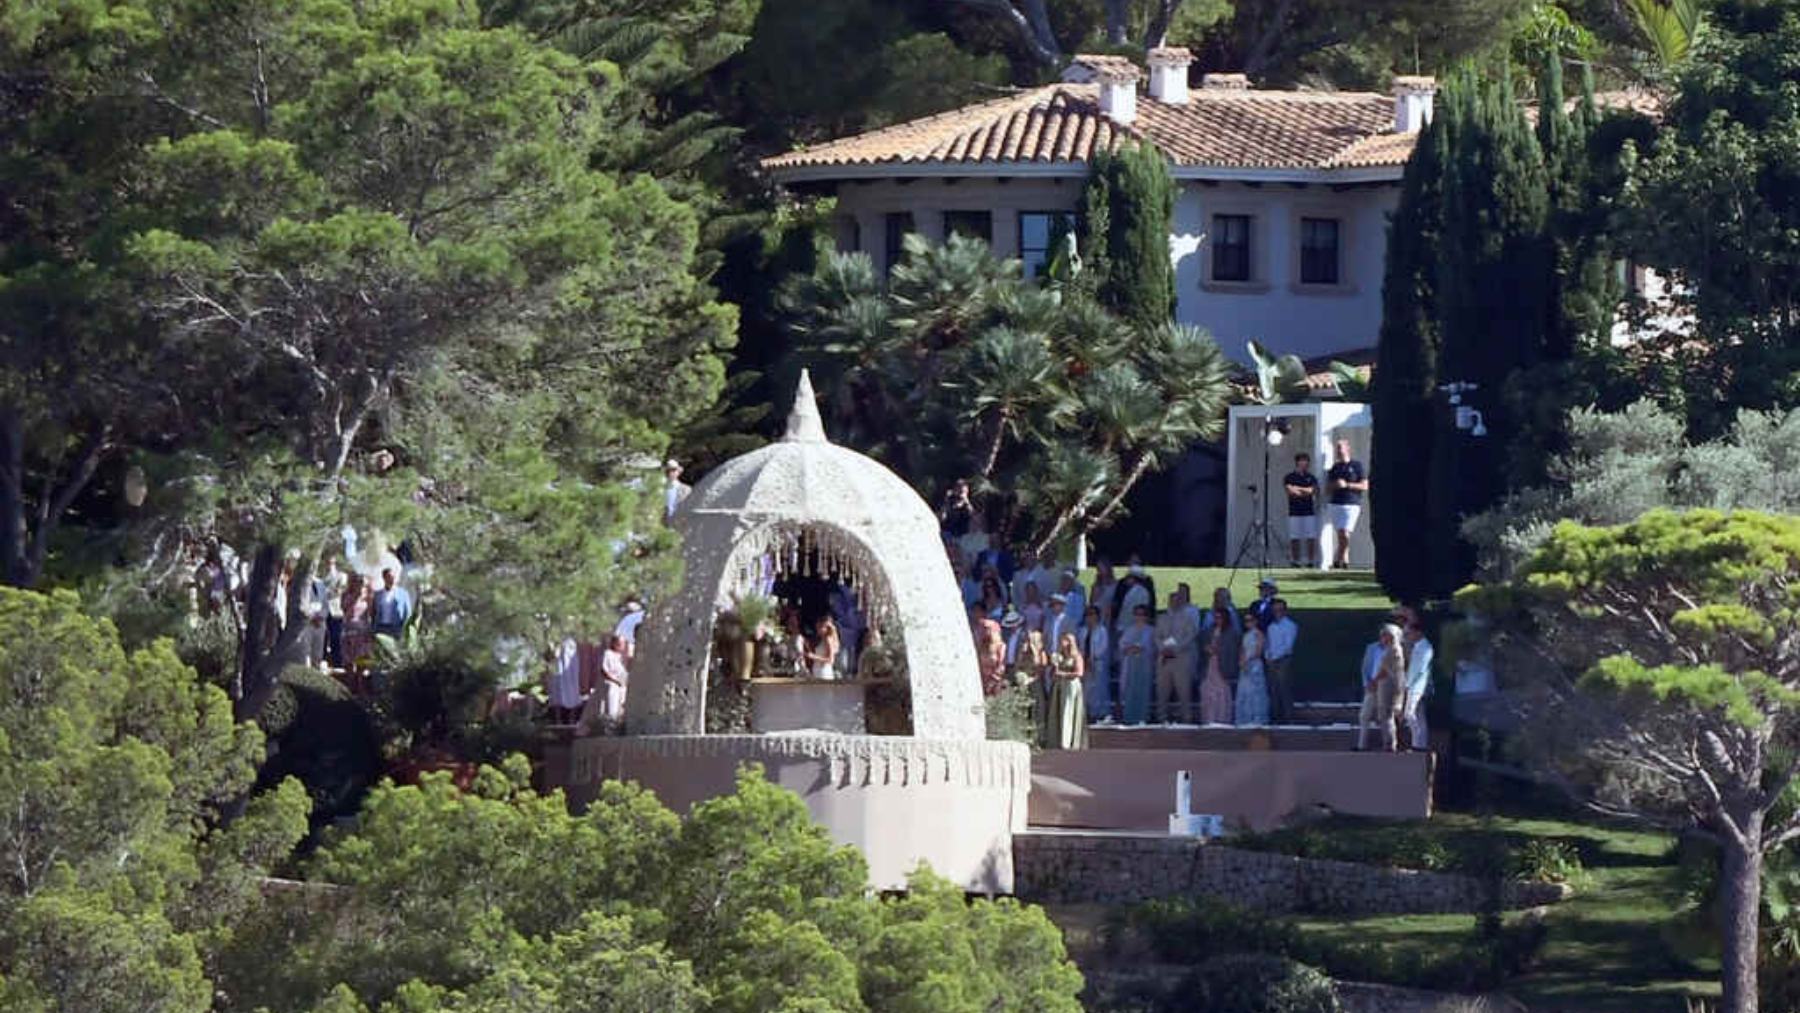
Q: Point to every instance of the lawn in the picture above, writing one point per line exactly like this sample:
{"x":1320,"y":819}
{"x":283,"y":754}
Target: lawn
{"x":1606,"y":949}
{"x":1338,"y":612}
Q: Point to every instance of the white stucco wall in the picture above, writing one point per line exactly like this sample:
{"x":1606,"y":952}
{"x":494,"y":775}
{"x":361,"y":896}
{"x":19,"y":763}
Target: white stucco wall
{"x":1274,"y":308}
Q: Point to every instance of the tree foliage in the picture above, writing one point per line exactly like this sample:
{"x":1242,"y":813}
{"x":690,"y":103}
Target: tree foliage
{"x":1404,"y":385}
{"x":1711,"y":204}
{"x":375,"y":263}
{"x":113,"y":768}
{"x":1621,"y":465}
{"x":448,"y":901}
{"x":1656,"y":662}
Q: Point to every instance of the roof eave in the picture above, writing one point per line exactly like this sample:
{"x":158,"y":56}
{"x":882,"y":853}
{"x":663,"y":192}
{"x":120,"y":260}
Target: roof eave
{"x":1077,"y":169}
{"x":901,"y":170}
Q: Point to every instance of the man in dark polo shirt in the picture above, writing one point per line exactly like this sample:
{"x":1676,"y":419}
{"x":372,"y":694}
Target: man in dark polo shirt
{"x":1303,"y":512}
{"x":1347,"y":481}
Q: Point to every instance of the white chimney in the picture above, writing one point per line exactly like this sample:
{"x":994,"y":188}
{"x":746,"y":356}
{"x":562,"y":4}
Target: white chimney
{"x":1169,"y":74}
{"x":1412,"y":103}
{"x":1118,"y":94}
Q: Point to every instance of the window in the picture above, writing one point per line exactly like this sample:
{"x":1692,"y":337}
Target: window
{"x":1038,"y":230}
{"x":896,"y":226}
{"x":1231,"y":248}
{"x":1318,"y":251}
{"x":969,"y":225}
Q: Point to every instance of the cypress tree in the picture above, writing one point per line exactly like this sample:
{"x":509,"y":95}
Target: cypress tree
{"x":1500,"y":274}
{"x":1404,"y":386}
{"x":1130,"y":210}
{"x":1495,"y":303}
{"x":1096,"y":224}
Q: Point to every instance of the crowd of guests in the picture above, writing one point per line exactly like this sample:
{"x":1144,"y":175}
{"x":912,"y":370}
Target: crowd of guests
{"x":1106,"y":653}
{"x":341,"y":612}
{"x":587,"y":680}
{"x":1396,"y":678}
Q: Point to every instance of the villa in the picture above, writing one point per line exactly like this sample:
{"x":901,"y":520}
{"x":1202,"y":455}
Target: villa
{"x":1280,"y":229}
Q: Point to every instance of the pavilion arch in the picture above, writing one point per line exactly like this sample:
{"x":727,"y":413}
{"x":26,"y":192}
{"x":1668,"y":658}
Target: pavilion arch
{"x":862,"y":517}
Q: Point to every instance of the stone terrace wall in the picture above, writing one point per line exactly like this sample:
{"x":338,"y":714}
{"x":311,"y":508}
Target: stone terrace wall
{"x":1065,"y":867}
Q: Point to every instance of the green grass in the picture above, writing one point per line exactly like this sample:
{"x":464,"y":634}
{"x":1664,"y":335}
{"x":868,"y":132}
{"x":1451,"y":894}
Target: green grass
{"x":1606,"y":951}
{"x":1338,"y":612}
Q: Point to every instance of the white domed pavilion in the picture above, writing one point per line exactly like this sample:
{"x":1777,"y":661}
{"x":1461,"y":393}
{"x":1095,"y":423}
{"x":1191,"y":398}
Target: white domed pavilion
{"x":802,"y":509}
{"x":801,"y":504}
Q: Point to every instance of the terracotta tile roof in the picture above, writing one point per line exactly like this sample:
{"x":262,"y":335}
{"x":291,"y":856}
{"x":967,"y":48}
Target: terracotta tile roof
{"x":1120,"y":68}
{"x":1056,"y":123}
{"x":1220,"y":128}
{"x":1377,"y":149}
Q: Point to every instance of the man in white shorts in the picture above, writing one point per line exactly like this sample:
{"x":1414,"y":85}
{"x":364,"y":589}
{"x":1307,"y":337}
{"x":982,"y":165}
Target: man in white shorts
{"x":1347,"y":481}
{"x":1303,"y":512}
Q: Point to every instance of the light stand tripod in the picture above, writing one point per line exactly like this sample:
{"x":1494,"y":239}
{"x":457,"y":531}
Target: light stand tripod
{"x":1258,"y":533}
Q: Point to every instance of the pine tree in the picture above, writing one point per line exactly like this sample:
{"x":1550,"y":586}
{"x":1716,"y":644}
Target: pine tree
{"x":1139,"y":197}
{"x":1404,"y":384}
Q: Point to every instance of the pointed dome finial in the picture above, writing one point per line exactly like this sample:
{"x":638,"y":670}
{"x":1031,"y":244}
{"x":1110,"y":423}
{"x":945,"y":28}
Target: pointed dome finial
{"x":804,"y":425}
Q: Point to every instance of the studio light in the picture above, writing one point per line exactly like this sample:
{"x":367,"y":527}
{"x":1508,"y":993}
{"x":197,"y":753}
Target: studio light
{"x":1278,"y":431}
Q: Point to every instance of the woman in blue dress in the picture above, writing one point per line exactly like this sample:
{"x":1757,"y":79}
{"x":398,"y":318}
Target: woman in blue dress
{"x":1252,"y":689}
{"x":1096,"y":651}
{"x":1137,"y":656}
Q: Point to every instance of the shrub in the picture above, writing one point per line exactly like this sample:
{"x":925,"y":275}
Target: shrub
{"x":1187,"y":930}
{"x":1393,"y":845}
{"x":1009,"y":716}
{"x":1260,"y":983}
{"x":1542,"y":860}
{"x":437,"y":692}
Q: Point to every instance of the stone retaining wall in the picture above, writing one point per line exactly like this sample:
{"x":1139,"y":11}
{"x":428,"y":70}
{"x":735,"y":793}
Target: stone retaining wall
{"x":1066,"y":867}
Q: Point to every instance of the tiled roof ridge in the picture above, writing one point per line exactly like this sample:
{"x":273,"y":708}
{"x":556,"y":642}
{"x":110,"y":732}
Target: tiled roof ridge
{"x":1063,"y":122}
{"x":907,"y":128}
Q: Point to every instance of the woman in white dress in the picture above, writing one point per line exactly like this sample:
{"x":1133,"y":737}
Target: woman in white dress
{"x":1252,"y":702}
{"x":565,"y":682}
{"x":824,"y":654}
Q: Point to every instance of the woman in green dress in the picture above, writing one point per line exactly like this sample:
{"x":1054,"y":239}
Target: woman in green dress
{"x":1068,"y":704}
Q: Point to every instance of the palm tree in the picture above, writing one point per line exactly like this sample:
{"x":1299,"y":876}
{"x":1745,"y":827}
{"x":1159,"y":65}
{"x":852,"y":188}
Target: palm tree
{"x":1279,"y":379}
{"x":1669,"y":27}
{"x":944,"y":294}
{"x":1088,"y":337}
{"x":1062,"y":483}
{"x":1118,"y":405}
{"x":1013,"y":387}
{"x":843,"y":327}
{"x":1193,"y":387}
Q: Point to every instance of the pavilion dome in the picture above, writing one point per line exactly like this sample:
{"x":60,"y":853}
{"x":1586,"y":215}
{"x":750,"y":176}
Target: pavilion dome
{"x":803,"y":505}
{"x":804,"y":476}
